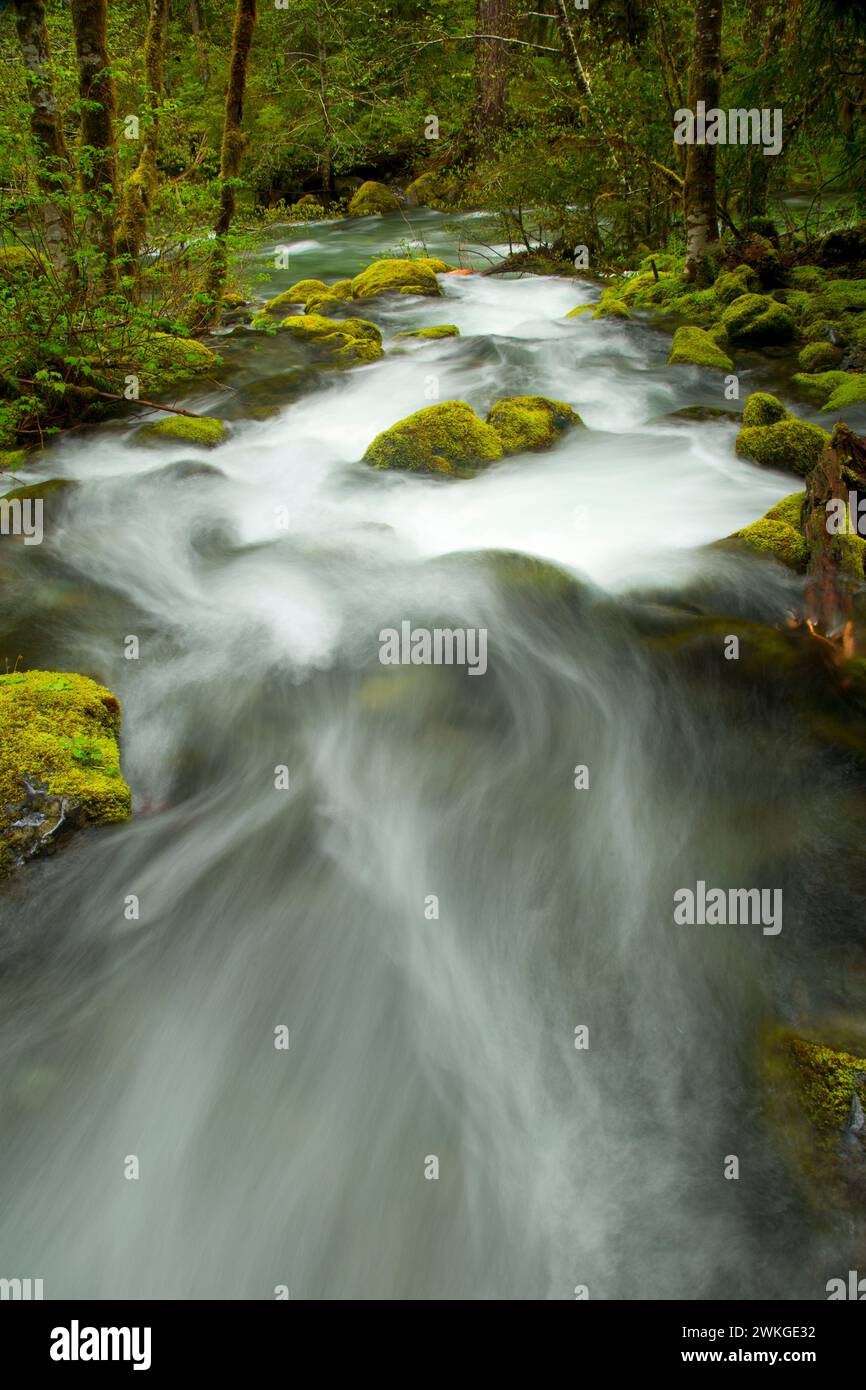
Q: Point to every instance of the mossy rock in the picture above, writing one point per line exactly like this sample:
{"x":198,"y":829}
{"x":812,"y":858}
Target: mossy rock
{"x":763,"y":409}
{"x":296,"y":294}
{"x":833,"y":390}
{"x":439,"y":330}
{"x":777,"y":535}
{"x":426,"y":190}
{"x":10,"y":459}
{"x":448,"y":438}
{"x":581,"y":309}
{"x":394,"y":276}
{"x":694,"y":347}
{"x":17,"y":262}
{"x":790,"y":444}
{"x":731,"y":284}
{"x":59,"y":731}
{"x":758,"y":319}
{"x":826,"y":1081}
{"x":530,"y":423}
{"x":176,"y":359}
{"x":807,"y":277}
{"x":373,"y":200}
{"x":346,"y":341}
{"x":819,"y":357}
{"x":612,"y":309}
{"x":330,"y":298}
{"x":841,"y":297}
{"x":203,"y":430}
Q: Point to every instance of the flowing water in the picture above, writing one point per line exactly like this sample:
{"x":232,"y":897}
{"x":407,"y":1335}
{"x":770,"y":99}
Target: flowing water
{"x":257,"y":580}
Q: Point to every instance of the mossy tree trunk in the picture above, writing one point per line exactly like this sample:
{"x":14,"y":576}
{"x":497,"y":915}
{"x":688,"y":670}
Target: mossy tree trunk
{"x":569,"y":47}
{"x":54,"y":170}
{"x":493,"y":17}
{"x":141,"y":185}
{"x":231,"y":154}
{"x":97,"y":156}
{"x":828,"y":595}
{"x":699,"y":195}
{"x":327,"y":157}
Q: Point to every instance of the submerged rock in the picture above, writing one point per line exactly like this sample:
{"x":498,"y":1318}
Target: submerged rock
{"x":59,"y":761}
{"x":695,"y":347}
{"x":530,"y":422}
{"x":439,"y":330}
{"x":373,"y":200}
{"x":345,"y":341}
{"x":204,"y":430}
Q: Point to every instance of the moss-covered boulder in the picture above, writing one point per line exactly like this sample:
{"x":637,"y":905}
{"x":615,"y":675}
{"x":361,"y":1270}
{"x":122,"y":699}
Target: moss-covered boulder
{"x":695,"y":347}
{"x":448,"y":438}
{"x":202,"y":430}
{"x":373,"y":200}
{"x":819,"y":357}
{"x":777,"y":534}
{"x":731,"y":284}
{"x":298,"y":293}
{"x":581,"y":309}
{"x":439,"y":330}
{"x":395,"y":276}
{"x":10,"y":459}
{"x":763,"y":409}
{"x":756,"y":320}
{"x":795,"y":445}
{"x":832,"y":390}
{"x":807,"y":277}
{"x":428,"y":190}
{"x":612,"y":309}
{"x":325,"y":301}
{"x":530,"y":423}
{"x":344,"y":341}
{"x":59,"y":761}
{"x":817,"y":1096}
{"x":169,"y":360}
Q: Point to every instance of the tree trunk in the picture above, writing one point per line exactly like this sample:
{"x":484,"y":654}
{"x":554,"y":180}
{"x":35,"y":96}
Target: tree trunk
{"x":828,"y":596}
{"x":196,"y":26}
{"x":97,"y":159}
{"x":491,"y":72}
{"x":54,"y":171}
{"x":141,"y":184}
{"x":569,"y":48}
{"x":705,"y":74}
{"x":327,"y":163}
{"x":231,"y":152}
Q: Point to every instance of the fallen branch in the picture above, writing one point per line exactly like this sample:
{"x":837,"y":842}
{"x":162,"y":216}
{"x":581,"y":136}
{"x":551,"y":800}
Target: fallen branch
{"x":113,"y":396}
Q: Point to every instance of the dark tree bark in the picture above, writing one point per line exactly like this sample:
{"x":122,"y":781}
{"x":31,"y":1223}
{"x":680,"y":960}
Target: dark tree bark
{"x":54,"y":170}
{"x":828,"y":597}
{"x":97,"y":160}
{"x":234,"y":144}
{"x":493,"y":17}
{"x":141,"y":184}
{"x":701,"y":214}
{"x":327,"y":163}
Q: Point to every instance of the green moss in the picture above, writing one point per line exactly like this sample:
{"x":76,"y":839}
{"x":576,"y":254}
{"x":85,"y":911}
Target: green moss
{"x":176,"y":359}
{"x":799,"y":302}
{"x":777,"y":540}
{"x":19,"y":261}
{"x":842,"y":297}
{"x":440,"y":330}
{"x":530,"y":422}
{"x":789,"y":444}
{"x":63,"y":730}
{"x":733,"y":283}
{"x":581,"y":309}
{"x":373,"y":200}
{"x":807,"y":277}
{"x":819,"y":357}
{"x":204,"y":430}
{"x":664,"y":261}
{"x":296,"y":294}
{"x":825,"y":1081}
{"x":393,"y":276}
{"x":328,"y":298}
{"x":10,"y":459}
{"x":448,"y":438}
{"x":695,"y":347}
{"x":833,"y":390}
{"x":756,"y":319}
{"x":789,"y":510}
{"x":763,"y":409}
{"x":346,"y":341}
{"x":612,"y":309}
{"x":427,"y":190}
